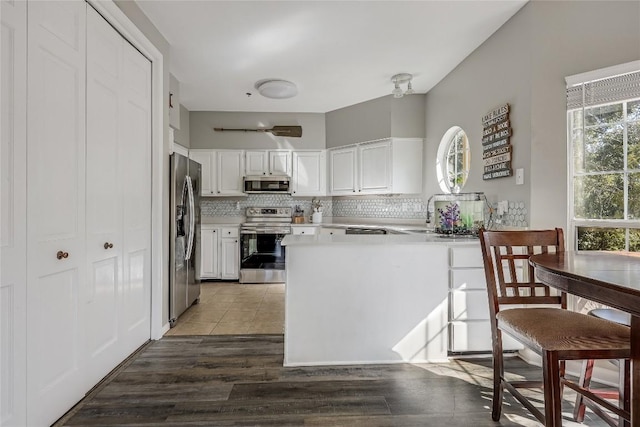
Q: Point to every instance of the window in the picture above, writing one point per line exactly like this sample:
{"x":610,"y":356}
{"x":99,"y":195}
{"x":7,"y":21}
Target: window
{"x":454,"y":157}
{"x":604,"y":170}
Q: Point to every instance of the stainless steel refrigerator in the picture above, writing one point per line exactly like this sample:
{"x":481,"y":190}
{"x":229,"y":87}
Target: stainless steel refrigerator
{"x":184,"y":286}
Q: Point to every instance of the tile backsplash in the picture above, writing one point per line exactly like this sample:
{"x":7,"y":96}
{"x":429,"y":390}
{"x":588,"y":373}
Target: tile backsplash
{"x":392,"y":206}
{"x":236,"y":206}
{"x":364,"y":207}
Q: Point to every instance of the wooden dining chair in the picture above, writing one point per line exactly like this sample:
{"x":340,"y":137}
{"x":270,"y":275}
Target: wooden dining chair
{"x":547,"y":328}
{"x":624,"y":366}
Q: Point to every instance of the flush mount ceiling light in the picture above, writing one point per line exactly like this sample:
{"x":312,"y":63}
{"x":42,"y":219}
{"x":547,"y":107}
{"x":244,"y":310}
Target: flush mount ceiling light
{"x":399,"y":79}
{"x":276,"y":89}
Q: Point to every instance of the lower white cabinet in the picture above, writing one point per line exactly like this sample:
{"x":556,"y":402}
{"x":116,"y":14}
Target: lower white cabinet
{"x":469,"y":324}
{"x":304,"y":229}
{"x":332,"y":230}
{"x":220,"y":252}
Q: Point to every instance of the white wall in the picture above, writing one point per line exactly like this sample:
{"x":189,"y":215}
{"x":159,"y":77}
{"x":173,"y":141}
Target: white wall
{"x":524,"y":64}
{"x":203,"y":135}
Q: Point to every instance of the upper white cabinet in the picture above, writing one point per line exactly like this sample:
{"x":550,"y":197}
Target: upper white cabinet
{"x":230,"y":168}
{"x":390,"y":166}
{"x":375,"y":168}
{"x":268,"y":162}
{"x":207,"y":158}
{"x":343,"y":175}
{"x":222,"y":171}
{"x":309,"y":173}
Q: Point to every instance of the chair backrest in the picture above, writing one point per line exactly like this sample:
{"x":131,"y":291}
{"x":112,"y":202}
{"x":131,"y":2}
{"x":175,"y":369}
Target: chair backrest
{"x":510,"y":277}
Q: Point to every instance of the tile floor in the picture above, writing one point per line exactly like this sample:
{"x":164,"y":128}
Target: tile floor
{"x":231,"y":308}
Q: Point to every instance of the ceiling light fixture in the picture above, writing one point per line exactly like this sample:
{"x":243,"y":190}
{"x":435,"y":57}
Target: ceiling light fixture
{"x":276,"y":89}
{"x":399,"y":79}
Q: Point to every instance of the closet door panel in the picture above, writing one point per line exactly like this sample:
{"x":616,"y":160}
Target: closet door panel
{"x":104,"y":188}
{"x":55,"y":208}
{"x":136,"y":138}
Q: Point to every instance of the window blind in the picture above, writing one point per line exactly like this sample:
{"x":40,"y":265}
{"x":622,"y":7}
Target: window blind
{"x":613,"y":89}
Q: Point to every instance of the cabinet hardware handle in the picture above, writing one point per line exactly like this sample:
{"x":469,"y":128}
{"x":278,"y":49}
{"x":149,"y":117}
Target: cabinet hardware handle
{"x":108,"y":245}
{"x":61,"y":255}
{"x":236,"y":241}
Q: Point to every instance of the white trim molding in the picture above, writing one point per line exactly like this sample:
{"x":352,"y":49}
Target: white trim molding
{"x":602,"y":73}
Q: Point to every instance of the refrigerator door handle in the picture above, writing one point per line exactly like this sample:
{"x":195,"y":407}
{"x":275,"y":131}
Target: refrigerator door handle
{"x":192,"y":220}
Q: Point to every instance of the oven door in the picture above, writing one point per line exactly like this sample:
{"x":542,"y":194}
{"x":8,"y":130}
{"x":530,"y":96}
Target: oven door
{"x":262,"y":256}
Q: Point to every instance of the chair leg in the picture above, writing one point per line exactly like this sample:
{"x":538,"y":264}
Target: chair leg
{"x":552,"y":397}
{"x":584,"y":381}
{"x":624,"y":390}
{"x":498,"y":374}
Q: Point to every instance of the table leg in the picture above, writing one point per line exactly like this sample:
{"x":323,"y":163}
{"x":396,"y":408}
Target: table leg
{"x":635,"y":371}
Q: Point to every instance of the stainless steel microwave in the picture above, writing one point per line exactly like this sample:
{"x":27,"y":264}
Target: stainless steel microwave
{"x":267,"y":184}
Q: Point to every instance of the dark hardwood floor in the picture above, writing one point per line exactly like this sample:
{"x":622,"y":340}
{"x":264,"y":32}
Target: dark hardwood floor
{"x":239,"y":380}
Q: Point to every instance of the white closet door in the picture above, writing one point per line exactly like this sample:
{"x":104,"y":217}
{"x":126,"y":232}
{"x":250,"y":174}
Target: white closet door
{"x":104,"y":200}
{"x":135,"y":117}
{"x":55,"y":207}
{"x":118,"y":196}
{"x":13,"y":231}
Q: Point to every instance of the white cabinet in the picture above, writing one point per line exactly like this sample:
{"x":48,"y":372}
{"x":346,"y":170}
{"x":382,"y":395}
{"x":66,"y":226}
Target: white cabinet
{"x":230,"y":170}
{"x":332,"y":230}
{"x":220,"y":252}
{"x":207,"y":158}
{"x":390,"y":166}
{"x":209,"y":252}
{"x":303,"y":229}
{"x":268,"y":162}
{"x":375,"y":168}
{"x":309,"y":173}
{"x":222,"y":171}
{"x":469,"y":324}
{"x":229,"y":253}
{"x":343,"y":175}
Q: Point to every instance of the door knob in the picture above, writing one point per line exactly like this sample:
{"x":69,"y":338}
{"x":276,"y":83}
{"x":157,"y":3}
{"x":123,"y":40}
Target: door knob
{"x":108,"y":245}
{"x":61,"y":255}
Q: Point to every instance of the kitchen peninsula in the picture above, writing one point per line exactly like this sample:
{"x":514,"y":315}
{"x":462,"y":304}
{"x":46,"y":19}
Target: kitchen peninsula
{"x":371,"y":298}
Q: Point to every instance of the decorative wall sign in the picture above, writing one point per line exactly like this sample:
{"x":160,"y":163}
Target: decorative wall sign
{"x":496,"y":149}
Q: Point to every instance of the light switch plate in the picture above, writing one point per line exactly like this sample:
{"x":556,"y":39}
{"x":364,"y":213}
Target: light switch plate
{"x":519,"y":176}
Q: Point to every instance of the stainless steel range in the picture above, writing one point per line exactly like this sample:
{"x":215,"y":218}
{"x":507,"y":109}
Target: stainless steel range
{"x":262,"y":257}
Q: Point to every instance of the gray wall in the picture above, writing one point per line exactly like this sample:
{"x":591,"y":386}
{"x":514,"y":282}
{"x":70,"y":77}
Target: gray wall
{"x":183,"y":135}
{"x":376,"y":119}
{"x":524,"y":64}
{"x":203,"y":135}
{"x":576,"y":37}
{"x":143,"y":23}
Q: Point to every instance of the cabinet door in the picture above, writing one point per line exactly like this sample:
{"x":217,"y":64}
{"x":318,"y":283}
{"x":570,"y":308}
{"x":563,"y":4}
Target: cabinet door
{"x":307,"y":230}
{"x":230,"y":167}
{"x":309,"y":173}
{"x":375,"y":168}
{"x":256,"y":162}
{"x":229,"y":258}
{"x":343,"y":171}
{"x":280,"y":163}
{"x":206,"y":159}
{"x":209,"y":257}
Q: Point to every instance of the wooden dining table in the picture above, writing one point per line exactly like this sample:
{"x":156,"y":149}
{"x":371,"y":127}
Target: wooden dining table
{"x":610,"y":278}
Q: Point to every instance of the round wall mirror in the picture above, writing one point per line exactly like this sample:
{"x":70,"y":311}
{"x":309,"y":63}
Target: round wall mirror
{"x":454,"y":158}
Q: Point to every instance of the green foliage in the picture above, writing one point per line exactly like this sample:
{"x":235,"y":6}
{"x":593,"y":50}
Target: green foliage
{"x":599,"y":165}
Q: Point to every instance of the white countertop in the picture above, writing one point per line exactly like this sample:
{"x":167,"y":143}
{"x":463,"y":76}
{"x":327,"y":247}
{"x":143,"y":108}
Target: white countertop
{"x":373,"y":239}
